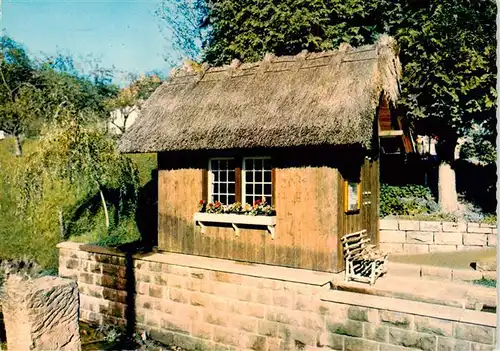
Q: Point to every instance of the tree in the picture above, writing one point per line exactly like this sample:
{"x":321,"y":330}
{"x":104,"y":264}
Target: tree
{"x":84,"y":156}
{"x":129,"y":99}
{"x":447,"y":51}
{"x":183,"y":25}
{"x":18,"y":82}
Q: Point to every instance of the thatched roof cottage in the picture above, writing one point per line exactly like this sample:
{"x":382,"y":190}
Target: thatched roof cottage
{"x":302,"y":131}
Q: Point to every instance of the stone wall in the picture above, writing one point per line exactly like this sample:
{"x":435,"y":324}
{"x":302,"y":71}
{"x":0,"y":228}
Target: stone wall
{"x":201,"y":303}
{"x":404,"y":236}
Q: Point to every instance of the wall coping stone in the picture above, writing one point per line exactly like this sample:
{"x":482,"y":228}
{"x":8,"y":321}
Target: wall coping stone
{"x":295,"y":275}
{"x":411,"y":307}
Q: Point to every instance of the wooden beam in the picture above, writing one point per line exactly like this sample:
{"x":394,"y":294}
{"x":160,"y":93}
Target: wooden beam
{"x":390,"y":133}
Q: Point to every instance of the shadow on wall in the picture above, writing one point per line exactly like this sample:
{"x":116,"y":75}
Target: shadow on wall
{"x":146,"y":214}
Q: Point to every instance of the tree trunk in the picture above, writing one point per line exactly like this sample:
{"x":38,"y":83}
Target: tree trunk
{"x":448,"y":198}
{"x":105,"y":207}
{"x":19,"y":148}
{"x":447,"y":186}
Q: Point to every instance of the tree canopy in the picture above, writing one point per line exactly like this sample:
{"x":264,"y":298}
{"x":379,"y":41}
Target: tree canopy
{"x":447,"y":48}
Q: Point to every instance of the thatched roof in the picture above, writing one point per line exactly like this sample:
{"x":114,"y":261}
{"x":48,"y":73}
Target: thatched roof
{"x":327,"y":98}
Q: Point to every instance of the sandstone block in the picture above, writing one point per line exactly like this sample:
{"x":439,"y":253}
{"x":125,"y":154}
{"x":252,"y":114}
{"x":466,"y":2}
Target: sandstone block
{"x":388,"y":224}
{"x":454,"y":227}
{"x":474,"y":333}
{"x":409,"y":225}
{"x":392,"y":248}
{"x":200,"y":299}
{"x":298,"y":335}
{"x":475,"y":239}
{"x":244,"y":323}
{"x":217,"y":318}
{"x":450,"y":344}
{"x":409,"y":339}
{"x":178,"y":295}
{"x":176,"y":324}
{"x":392,"y":236}
{"x":267,"y":328}
{"x":430,"y":226}
{"x":202,"y":330}
{"x":156,"y":291}
{"x":306,"y":303}
{"x":283,"y":298}
{"x":452,"y":238}
{"x":357,"y":314}
{"x":492,"y":239}
{"x":375,"y":332}
{"x":433,"y":326}
{"x":443,"y":248}
{"x":479,"y":230}
{"x":30,"y":309}
{"x":396,"y":319}
{"x":355,"y":344}
{"x":419,"y":237}
{"x":228,"y":336}
{"x":349,"y":328}
{"x":332,"y":341}
{"x":466,"y":274}
{"x":436,"y":272}
{"x":415,"y":248}
{"x":248,"y":309}
{"x":256,"y":342}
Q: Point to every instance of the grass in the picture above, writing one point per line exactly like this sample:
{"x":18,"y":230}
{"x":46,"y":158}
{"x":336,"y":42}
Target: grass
{"x":34,"y":235}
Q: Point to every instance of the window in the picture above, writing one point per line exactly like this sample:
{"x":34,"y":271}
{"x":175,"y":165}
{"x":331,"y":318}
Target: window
{"x":257,"y":179}
{"x":222,"y":180}
{"x":352,"y":196}
{"x":244,"y":180}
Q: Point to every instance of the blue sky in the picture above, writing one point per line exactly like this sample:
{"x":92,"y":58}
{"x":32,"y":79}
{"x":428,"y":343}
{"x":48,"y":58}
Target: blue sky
{"x":123,"y":33}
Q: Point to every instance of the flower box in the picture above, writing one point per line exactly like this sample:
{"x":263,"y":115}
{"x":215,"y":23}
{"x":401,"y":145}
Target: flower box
{"x":234,"y":219}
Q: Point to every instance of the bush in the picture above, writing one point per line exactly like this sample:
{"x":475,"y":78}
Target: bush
{"x":406,"y":200}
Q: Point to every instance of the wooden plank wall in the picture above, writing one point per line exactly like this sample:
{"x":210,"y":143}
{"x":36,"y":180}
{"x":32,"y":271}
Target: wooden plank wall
{"x":307,"y":213}
{"x":367,"y":217}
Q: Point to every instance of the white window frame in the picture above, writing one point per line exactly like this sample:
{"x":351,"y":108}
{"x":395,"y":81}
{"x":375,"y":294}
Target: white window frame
{"x":244,"y":179}
{"x":210,"y":177}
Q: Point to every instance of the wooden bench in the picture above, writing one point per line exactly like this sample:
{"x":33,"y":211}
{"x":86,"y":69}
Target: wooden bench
{"x":362,"y":261}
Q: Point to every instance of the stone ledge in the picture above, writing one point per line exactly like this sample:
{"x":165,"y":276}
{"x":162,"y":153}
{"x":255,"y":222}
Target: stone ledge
{"x":294,"y":275}
{"x":411,"y":307}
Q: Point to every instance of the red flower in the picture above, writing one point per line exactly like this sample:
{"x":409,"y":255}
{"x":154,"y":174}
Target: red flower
{"x":202,"y":202}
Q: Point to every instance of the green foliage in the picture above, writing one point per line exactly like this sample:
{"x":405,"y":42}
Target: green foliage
{"x":406,"y":200}
{"x":34,"y":233}
{"x":247,"y":29}
{"x":490,"y":283}
{"x":447,"y":49}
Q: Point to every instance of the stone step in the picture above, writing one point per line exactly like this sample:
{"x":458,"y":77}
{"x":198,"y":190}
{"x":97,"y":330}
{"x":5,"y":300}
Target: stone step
{"x":446,"y":293}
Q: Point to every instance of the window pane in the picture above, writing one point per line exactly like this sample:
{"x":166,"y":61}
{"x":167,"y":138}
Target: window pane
{"x":258,"y":189}
{"x":231,"y":200}
{"x":267,"y":176}
{"x":258,"y":163}
{"x":223,"y":176}
{"x":230,"y":176}
{"x":249,"y":176}
{"x":258,"y":176}
{"x":267,"y":189}
{"x":267,"y":164}
{"x":249,"y":200}
{"x":216,"y":176}
{"x":215,"y":188}
{"x":223,"y":188}
{"x":214,"y":165}
{"x":249,"y":189}
{"x":231,"y":188}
